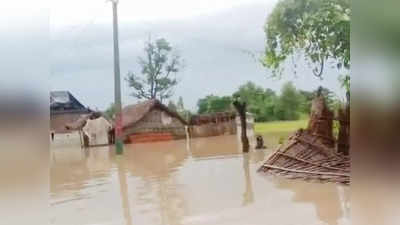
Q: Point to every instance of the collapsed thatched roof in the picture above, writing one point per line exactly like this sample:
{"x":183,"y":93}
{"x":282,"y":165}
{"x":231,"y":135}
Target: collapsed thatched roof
{"x":81,"y":121}
{"x":134,"y":113}
{"x":306,"y":157}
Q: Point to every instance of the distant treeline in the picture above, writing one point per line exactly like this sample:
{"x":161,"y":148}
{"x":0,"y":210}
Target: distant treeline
{"x":265,"y":104}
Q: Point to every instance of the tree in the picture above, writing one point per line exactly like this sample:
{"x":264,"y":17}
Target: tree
{"x":307,"y":97}
{"x":220,"y":104}
{"x":180,"y":106}
{"x":260,"y":102}
{"x":289,"y":103}
{"x":157,"y":68}
{"x":240,"y":107}
{"x":212,"y":104}
{"x":110,"y":111}
{"x":172,"y":106}
{"x":320,"y":30}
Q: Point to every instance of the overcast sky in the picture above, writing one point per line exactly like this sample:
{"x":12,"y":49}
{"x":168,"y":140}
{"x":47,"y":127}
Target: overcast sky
{"x":212,"y":36}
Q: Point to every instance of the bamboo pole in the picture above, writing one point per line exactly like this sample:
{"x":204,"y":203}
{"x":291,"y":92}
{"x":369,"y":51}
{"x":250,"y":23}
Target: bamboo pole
{"x":306,"y":172}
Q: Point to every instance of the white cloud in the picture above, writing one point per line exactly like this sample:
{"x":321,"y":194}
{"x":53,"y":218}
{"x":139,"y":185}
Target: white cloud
{"x":77,"y":12}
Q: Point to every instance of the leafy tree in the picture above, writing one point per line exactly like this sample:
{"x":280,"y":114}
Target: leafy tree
{"x":180,"y":106}
{"x":202,"y":105}
{"x":172,"y":106}
{"x":288,"y":105}
{"x":157,"y":68}
{"x":306,"y":99}
{"x":260,"y":102}
{"x":110,"y":111}
{"x":212,"y":104}
{"x":329,"y":96}
{"x":220,"y":104}
{"x":317,"y":29}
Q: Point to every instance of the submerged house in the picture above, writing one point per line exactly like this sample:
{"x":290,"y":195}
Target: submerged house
{"x":94,"y":129}
{"x":151,"y":121}
{"x":215,"y":124}
{"x":64,"y":109}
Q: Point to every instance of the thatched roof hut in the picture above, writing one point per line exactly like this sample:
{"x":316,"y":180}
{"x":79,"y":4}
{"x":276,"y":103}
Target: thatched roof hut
{"x":151,"y":121}
{"x":132,"y":114}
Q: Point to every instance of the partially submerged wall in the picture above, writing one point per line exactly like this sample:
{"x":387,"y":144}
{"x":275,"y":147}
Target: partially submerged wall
{"x":58,"y":122}
{"x":216,"y":124}
{"x":213,"y":129}
{"x":157,"y":125}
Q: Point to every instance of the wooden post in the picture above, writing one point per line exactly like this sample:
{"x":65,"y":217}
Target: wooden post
{"x":80,"y":137}
{"x":321,"y":121}
{"x":344,"y":130}
{"x":241,"y":109}
{"x":85,"y":140}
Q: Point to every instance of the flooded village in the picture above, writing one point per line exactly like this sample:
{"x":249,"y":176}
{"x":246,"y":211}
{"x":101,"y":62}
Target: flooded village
{"x":224,"y":144}
{"x":177,"y":172}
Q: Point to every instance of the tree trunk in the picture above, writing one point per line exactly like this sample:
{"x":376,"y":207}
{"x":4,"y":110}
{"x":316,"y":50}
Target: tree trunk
{"x":321,"y":121}
{"x":344,"y":130}
{"x":241,"y":109}
{"x":85,"y":140}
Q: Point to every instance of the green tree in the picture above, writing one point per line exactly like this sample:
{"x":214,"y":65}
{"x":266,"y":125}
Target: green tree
{"x":202,"y":105}
{"x":184,"y":113}
{"x":318,"y":29}
{"x":305,"y":102}
{"x":172,"y":106}
{"x":180,"y":106}
{"x":220,"y":104}
{"x":156,"y":80}
{"x":110,"y":111}
{"x":212,"y":104}
{"x":288,"y":106}
{"x":260,"y":102}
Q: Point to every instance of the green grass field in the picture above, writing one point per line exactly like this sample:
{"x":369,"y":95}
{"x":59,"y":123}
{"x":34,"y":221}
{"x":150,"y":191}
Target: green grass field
{"x":280,"y":126}
{"x":278,"y":131}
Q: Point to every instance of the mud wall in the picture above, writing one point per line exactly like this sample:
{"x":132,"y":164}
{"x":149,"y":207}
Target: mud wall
{"x":213,"y":129}
{"x":59,"y":121}
{"x":157,"y":125}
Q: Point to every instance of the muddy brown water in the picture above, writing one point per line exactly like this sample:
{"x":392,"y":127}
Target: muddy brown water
{"x":204,"y":181}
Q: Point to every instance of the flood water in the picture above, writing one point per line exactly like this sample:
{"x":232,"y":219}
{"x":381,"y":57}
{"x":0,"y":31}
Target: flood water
{"x":206,"y":181}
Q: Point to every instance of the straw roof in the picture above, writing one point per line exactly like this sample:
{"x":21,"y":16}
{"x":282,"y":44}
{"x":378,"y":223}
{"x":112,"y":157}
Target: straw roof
{"x":306,"y":157}
{"x":81,"y":121}
{"x":134,"y":113}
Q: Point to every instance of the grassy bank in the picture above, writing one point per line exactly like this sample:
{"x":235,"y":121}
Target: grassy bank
{"x":280,"y":126}
{"x":275,"y":131}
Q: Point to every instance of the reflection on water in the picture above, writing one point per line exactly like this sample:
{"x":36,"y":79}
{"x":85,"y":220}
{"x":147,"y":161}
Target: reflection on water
{"x":204,"y":181}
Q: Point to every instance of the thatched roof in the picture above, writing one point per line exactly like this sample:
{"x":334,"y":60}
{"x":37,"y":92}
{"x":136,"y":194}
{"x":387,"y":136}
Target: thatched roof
{"x":81,"y":121}
{"x":310,"y":154}
{"x":306,"y":157}
{"x":132,"y":114}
